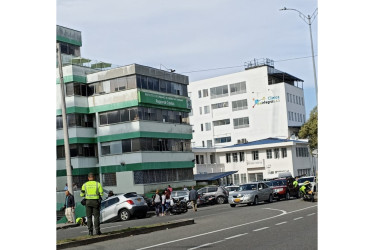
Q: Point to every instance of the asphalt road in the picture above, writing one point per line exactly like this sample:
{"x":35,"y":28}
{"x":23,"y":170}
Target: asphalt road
{"x":280,"y":225}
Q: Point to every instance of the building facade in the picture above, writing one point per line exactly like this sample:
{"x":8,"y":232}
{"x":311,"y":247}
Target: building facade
{"x":129,"y":125}
{"x":257,"y":103}
{"x":257,"y":160}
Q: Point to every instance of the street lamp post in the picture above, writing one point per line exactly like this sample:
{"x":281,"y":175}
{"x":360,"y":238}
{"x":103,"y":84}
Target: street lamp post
{"x":309,"y":20}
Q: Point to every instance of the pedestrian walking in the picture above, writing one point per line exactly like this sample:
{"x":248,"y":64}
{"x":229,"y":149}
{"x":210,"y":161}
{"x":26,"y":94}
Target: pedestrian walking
{"x":92,"y":191}
{"x":170,"y":188}
{"x":157,"y":202}
{"x":69,"y":207}
{"x":193,"y":198}
{"x":163,"y":203}
{"x":168,"y":200}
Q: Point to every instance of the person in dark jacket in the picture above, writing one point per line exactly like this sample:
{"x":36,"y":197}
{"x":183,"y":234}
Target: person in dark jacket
{"x":69,"y":207}
{"x":193,"y":198}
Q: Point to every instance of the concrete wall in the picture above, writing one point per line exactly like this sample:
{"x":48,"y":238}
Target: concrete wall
{"x":112,"y":98}
{"x":77,"y":162}
{"x":76,"y":132}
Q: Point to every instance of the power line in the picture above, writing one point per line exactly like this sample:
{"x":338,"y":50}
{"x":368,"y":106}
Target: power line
{"x":230,"y":67}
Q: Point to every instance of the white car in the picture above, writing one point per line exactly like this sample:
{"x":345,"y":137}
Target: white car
{"x":311,"y":179}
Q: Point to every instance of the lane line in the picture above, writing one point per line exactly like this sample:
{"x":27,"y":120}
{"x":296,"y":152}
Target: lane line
{"x":281,"y":223}
{"x":311,"y":214}
{"x":260,"y":229}
{"x":207,"y":244}
{"x":232,"y":237}
{"x":223,"y":229}
{"x":298,"y":218}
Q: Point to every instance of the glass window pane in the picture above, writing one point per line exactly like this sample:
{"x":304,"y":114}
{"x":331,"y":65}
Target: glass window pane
{"x":135,"y":144}
{"x":124,"y":115}
{"x":113,"y":117}
{"x":126,"y":145}
{"x":103,"y":119}
{"x":116,"y":147}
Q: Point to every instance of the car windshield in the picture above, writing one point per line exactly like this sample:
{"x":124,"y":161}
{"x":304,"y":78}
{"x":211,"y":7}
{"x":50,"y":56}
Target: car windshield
{"x":179,"y":193}
{"x":130,"y":195}
{"x":232,"y":188}
{"x":248,"y":187}
{"x":301,"y":180}
{"x":278,"y":183}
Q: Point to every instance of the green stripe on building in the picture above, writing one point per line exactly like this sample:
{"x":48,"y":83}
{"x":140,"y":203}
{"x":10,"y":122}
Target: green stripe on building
{"x":72,"y":110}
{"x":130,"y":167}
{"x":147,"y":134}
{"x":162,"y":100}
{"x":72,"y":78}
{"x":67,"y":40}
{"x":75,"y":140}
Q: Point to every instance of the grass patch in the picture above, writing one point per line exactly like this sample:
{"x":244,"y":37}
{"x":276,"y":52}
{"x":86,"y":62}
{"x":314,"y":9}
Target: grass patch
{"x":109,"y":233}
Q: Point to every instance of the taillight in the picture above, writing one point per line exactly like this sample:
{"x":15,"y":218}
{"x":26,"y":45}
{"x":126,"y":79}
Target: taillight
{"x":130,"y":202}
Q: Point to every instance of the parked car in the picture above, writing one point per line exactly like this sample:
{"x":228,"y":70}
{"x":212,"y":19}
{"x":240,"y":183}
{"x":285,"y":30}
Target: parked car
{"x":311,"y":179}
{"x":283,"y":188}
{"x":251,"y":193}
{"x":180,"y":194}
{"x":123,"y":207}
{"x":220,"y":194}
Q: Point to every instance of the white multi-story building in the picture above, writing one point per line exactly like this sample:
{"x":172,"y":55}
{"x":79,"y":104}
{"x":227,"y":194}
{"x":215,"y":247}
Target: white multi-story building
{"x":257,"y":103}
{"x":253,"y":161}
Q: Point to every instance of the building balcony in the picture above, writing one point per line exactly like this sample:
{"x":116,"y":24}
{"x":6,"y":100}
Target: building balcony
{"x":210,"y":168}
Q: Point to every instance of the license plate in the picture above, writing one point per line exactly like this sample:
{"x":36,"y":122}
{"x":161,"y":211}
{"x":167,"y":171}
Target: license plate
{"x":237,"y":200}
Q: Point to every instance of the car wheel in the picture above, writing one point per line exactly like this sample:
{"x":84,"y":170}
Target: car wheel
{"x":220,"y":200}
{"x":124,"y":215}
{"x":270,"y":199}
{"x":255,"y":202}
{"x":287,"y":196}
{"x":232,"y":205}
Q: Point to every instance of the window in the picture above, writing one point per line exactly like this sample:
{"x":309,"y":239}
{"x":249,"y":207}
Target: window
{"x":113,"y":117}
{"x":220,"y":91}
{"x":76,"y":120}
{"x":239,"y":105}
{"x":202,"y":127}
{"x":205,"y":92}
{"x":113,"y":147}
{"x":203,"y":143}
{"x":291,"y":116}
{"x":235,"y":157}
{"x":237,"y":88}
{"x":212,"y":158}
{"x":110,"y":179}
{"x":254,"y":155}
{"x":288,"y":97}
{"x":209,"y":143}
{"x":284,"y":152}
{"x":208,"y":126}
{"x":269,"y":154}
{"x":297,"y":100}
{"x":294,"y":101}
{"x":241,"y":122}
{"x":220,"y":105}
{"x":201,"y":159}
{"x":305,"y":171}
{"x":302,"y":101}
{"x":228,"y":158}
{"x":76,"y":150}
{"x":236,"y":178}
{"x":221,"y":122}
{"x":276,"y":153}
{"x":243,"y":178}
{"x":199,"y":92}
{"x":222,"y":139}
{"x":163,"y":175}
{"x":304,"y":118}
{"x":241,"y":156}
{"x":197,"y":159}
{"x":206,"y":109}
{"x":201,"y":110}
{"x":126,"y":146}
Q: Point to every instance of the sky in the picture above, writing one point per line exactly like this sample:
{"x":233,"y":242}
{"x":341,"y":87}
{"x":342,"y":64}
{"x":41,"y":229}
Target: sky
{"x":197,"y":35}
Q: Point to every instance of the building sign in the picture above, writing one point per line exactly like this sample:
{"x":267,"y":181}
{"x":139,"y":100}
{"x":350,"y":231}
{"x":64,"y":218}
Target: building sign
{"x":163,"y":100}
{"x":268,"y":100}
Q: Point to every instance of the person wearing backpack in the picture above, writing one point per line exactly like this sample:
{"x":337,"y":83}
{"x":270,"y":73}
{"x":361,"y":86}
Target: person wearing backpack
{"x":92,"y":191}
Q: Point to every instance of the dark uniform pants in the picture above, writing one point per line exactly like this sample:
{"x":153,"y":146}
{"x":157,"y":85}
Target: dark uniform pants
{"x":93,"y":208}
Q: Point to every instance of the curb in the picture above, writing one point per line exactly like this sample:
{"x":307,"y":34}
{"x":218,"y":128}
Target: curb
{"x":134,"y":231}
{"x":64,"y":226}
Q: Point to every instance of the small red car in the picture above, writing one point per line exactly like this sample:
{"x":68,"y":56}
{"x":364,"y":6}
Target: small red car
{"x":284,"y":188}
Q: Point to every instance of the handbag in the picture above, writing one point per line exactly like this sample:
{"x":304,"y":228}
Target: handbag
{"x":83,"y":202}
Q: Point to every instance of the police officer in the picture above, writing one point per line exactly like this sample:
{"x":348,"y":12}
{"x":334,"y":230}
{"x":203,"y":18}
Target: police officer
{"x":92,"y":191}
{"x":295,"y":182}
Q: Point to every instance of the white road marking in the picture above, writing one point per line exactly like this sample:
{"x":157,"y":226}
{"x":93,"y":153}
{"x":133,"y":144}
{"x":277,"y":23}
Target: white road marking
{"x":311,"y":214}
{"x":207,"y":244}
{"x":260,"y":229}
{"x":223,"y":229}
{"x":281,"y":223}
{"x":232,"y":237}
{"x":298,"y":218}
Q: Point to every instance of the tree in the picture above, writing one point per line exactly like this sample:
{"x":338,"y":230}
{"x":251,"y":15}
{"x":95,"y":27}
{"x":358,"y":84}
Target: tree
{"x":310,"y":130}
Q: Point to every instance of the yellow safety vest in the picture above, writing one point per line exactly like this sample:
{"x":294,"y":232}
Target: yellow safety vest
{"x":92,"y":190}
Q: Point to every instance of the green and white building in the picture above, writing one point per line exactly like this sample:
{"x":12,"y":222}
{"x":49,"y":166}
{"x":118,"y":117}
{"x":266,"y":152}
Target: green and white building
{"x":129,"y":125}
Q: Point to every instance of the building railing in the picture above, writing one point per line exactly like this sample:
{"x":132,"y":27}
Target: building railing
{"x":210,"y":168}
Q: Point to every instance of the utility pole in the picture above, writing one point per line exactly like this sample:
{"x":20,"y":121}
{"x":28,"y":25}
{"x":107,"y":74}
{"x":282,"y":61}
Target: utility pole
{"x":64,"y":123}
{"x":309,"y":20}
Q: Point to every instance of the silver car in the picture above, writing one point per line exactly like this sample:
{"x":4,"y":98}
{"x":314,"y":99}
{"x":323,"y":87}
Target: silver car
{"x":252,"y":192}
{"x":123,"y":207}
